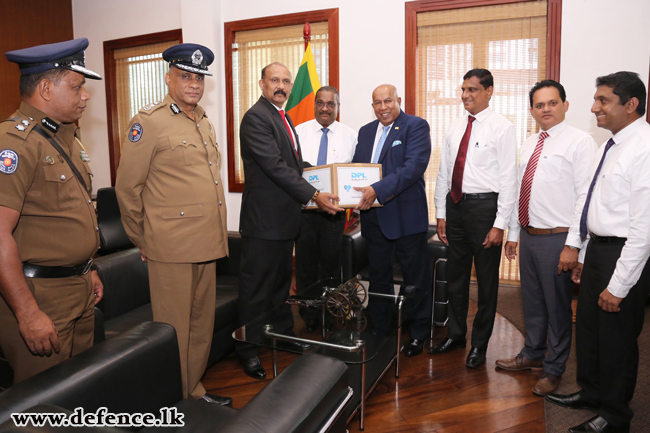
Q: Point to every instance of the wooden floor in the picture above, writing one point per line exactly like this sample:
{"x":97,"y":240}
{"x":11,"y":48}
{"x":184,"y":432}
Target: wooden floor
{"x":433,"y":394}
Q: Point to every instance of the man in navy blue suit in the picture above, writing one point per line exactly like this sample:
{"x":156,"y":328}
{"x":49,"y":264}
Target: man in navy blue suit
{"x":401,"y":143}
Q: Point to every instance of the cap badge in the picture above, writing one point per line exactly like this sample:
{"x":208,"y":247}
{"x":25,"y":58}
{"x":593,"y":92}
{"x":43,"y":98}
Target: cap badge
{"x":134,"y":135}
{"x":8,"y":161}
{"x":197,"y":57}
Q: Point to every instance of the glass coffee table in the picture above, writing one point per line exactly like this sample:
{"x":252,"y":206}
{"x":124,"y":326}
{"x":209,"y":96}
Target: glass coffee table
{"x":343,"y":320}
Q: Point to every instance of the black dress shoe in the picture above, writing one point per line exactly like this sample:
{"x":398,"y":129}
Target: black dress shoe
{"x":447,"y":345}
{"x":217,"y":399}
{"x":414,"y":348}
{"x":571,"y":401}
{"x":475,"y":358}
{"x":253,"y":367}
{"x":599,"y":424}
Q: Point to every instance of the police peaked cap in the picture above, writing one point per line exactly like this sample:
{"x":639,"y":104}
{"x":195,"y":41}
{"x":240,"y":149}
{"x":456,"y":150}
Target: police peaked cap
{"x":61,"y":55}
{"x":193,"y":58}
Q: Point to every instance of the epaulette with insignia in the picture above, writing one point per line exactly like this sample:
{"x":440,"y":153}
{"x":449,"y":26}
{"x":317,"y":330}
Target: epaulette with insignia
{"x":148,"y":109}
{"x":19,"y":126}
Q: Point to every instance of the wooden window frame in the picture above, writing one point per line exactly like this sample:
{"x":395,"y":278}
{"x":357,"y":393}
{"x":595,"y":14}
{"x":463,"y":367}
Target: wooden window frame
{"x":111,"y":85}
{"x":553,"y":38}
{"x":230,"y":28}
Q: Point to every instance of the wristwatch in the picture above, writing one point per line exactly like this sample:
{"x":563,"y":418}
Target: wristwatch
{"x":573,"y":248}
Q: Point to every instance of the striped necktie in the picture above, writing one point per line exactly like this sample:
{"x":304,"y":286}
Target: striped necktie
{"x":527,"y":181}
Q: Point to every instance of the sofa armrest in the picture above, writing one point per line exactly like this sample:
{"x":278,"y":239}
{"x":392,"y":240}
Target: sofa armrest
{"x":138,"y":371}
{"x":307,"y":395}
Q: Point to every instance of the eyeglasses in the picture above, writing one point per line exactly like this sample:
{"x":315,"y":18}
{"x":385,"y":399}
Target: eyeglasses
{"x":330,"y":105}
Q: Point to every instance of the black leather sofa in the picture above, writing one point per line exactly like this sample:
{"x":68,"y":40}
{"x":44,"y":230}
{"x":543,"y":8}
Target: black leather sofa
{"x":138,"y":371}
{"x":127,"y":302}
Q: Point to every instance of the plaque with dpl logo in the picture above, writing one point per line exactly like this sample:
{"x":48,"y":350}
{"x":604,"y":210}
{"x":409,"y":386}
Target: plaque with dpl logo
{"x":342,"y":179}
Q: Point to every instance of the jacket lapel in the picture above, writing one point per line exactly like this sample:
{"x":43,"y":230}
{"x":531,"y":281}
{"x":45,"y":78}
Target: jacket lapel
{"x":278,"y":120}
{"x":299,"y":154}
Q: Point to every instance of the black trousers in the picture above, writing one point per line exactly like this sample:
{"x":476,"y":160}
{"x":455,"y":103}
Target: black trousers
{"x":264,"y":283}
{"x":318,"y":247}
{"x":468,"y":223}
{"x":412,"y":255}
{"x":606,"y":343}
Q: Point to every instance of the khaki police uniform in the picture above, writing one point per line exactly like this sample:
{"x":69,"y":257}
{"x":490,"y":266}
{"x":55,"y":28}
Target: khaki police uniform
{"x":57,"y":227}
{"x":172,"y":202}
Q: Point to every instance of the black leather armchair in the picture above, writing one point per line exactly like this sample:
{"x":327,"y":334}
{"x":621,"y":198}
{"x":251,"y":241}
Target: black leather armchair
{"x":139,"y":372}
{"x":112,"y":236}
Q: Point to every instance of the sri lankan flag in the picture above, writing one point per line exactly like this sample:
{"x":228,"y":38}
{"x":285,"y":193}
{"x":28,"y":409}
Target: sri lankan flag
{"x":300,"y":106}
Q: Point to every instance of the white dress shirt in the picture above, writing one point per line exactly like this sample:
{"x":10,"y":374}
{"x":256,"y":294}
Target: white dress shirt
{"x":491,"y":164}
{"x":341,"y":142}
{"x":561,"y":181}
{"x":620,"y":202}
{"x":380,"y":131}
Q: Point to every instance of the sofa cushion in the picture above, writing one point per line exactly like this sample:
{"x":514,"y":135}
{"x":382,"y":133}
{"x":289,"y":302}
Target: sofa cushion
{"x":127,"y":321}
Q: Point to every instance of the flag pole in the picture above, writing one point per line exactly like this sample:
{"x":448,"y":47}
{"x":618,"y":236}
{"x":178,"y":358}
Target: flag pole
{"x":306,"y":34}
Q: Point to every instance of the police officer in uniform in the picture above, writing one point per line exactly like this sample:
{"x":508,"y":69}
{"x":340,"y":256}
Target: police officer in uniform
{"x":48,"y":228}
{"x":173,"y":208}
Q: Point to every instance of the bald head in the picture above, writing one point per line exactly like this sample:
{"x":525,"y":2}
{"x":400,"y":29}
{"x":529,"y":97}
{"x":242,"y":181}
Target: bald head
{"x":386,"y":103}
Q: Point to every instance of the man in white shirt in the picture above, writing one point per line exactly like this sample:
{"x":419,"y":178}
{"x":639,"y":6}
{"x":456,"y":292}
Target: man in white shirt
{"x":323,"y":141}
{"x":615,"y":277}
{"x":554,"y":168}
{"x":475,"y":194}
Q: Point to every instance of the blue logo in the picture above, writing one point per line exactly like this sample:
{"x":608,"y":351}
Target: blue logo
{"x":8,"y":161}
{"x":136,"y":132}
{"x":358,"y":176}
{"x":347,"y":188}
{"x":313,"y":178}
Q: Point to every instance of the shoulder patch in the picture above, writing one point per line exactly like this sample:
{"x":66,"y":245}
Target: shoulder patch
{"x":8,"y":161}
{"x":135,"y":134}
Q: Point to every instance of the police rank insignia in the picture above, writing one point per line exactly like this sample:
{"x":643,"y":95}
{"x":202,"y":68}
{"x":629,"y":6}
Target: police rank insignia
{"x":135,"y":134}
{"x":24,"y":122}
{"x":50,"y":124}
{"x":175,"y":108}
{"x":8,"y":161}
{"x":20,"y":128}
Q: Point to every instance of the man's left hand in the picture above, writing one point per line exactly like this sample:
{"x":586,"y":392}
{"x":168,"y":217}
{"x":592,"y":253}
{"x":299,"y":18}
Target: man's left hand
{"x":494,"y":237}
{"x":568,"y":260}
{"x":367,"y":199}
{"x":98,"y":287}
{"x":609,"y":302}
{"x":324,"y":202}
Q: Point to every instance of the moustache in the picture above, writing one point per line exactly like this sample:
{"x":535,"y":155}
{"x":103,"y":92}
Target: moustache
{"x":280,"y":92}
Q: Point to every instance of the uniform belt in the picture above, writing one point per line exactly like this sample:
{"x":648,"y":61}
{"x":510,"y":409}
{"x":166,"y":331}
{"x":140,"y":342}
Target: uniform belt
{"x":556,"y":230}
{"x":36,"y":271}
{"x":481,"y":196}
{"x":607,"y":239}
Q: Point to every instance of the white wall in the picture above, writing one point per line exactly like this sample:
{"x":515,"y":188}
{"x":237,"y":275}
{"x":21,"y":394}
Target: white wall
{"x":597,"y":38}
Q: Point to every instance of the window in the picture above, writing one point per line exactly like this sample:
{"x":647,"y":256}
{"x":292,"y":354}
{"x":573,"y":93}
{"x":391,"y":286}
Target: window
{"x":445,"y":40}
{"x":135,"y":77}
{"x":253,"y":44}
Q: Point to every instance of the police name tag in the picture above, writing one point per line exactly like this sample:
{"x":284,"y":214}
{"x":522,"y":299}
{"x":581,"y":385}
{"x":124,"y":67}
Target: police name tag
{"x":342,"y":179}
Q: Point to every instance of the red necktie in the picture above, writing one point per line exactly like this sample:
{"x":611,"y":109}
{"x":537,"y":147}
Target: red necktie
{"x":286,"y":124}
{"x":527,"y":181}
{"x":459,"y":165}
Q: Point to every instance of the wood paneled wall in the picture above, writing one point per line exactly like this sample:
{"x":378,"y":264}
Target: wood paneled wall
{"x":24,"y":24}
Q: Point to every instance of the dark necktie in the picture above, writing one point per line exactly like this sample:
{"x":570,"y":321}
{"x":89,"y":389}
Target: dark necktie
{"x":459,"y":165}
{"x":322,"y":150}
{"x":286,"y":124}
{"x":583,"y":218}
{"x":527,"y":181}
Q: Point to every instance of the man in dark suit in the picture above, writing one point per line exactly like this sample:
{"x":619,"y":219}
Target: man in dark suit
{"x":270,"y":213}
{"x":402,"y":145}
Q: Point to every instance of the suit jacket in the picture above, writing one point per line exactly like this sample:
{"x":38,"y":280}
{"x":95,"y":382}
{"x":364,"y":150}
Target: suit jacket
{"x":404,"y":159}
{"x":169,"y":186}
{"x":274,"y":189}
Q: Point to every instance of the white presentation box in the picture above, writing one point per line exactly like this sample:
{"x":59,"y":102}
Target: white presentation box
{"x":342,"y":178}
